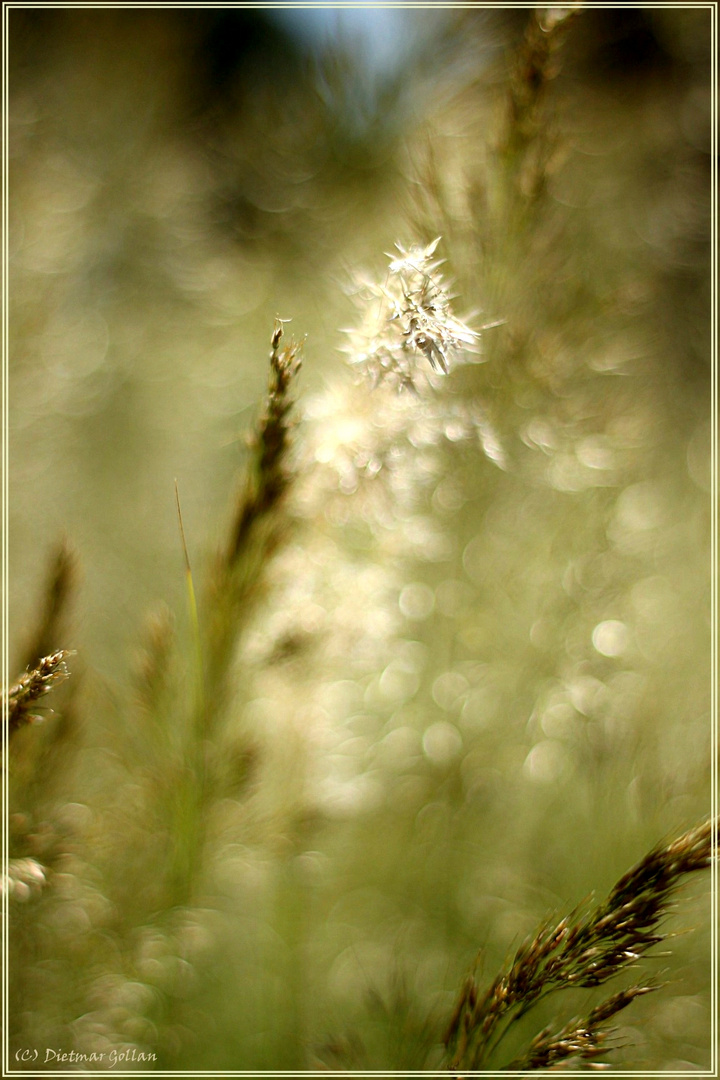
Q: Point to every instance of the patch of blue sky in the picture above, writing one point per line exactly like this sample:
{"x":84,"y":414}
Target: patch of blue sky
{"x":376,"y":46}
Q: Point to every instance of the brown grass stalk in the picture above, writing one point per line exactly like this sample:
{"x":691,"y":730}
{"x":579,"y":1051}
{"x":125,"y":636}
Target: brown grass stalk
{"x":22,"y":697}
{"x":582,"y":950}
{"x":271,"y":442}
{"x":256,"y":527}
{"x":585,"y":1039}
{"x":525,"y":143}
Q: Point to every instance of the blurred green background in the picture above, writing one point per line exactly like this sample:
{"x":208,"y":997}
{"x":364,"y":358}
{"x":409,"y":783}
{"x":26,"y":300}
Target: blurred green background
{"x":478,"y":683}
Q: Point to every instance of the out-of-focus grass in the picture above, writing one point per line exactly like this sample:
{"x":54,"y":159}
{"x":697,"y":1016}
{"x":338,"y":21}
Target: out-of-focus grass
{"x":141,"y":296}
{"x":476,"y":687}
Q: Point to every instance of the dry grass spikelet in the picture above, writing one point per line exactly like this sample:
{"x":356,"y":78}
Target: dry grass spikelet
{"x":34,"y":684}
{"x":406,"y":318}
{"x":586,"y":1039}
{"x":270,"y":443}
{"x":581,"y":950}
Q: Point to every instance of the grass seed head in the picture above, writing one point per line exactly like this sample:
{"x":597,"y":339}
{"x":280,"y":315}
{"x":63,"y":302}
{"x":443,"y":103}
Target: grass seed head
{"x":408,"y":318}
{"x":33,"y":685}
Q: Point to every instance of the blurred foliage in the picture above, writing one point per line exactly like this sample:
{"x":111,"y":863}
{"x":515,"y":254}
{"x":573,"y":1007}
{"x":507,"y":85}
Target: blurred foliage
{"x":469,"y":659}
